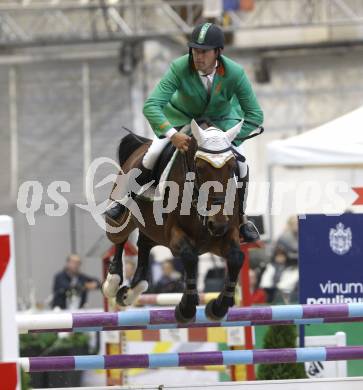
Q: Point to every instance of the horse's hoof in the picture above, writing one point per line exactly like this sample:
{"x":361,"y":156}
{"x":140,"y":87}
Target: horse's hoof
{"x":111,"y":285}
{"x":121,"y":296}
{"x":140,"y":287}
{"x":134,"y":293}
{"x":211,"y":314}
{"x":182,"y":318}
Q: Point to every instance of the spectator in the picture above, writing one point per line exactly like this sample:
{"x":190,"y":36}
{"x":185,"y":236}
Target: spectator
{"x":214,"y":280}
{"x":70,"y":286}
{"x":258,"y":295}
{"x":281,"y":276}
{"x":289,"y":238}
{"x":170,"y":281}
{"x":213,"y":269}
{"x":130,"y":268}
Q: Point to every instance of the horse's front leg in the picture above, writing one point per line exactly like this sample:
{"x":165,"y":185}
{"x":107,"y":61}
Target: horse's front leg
{"x":217,"y":308}
{"x":128,"y":295}
{"x":114,"y":277}
{"x":182,"y":247}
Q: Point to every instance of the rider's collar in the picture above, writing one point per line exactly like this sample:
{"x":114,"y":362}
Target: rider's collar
{"x":220,"y":70}
{"x":209,"y":74}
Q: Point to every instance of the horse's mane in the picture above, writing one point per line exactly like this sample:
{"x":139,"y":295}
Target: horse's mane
{"x":193,"y":146}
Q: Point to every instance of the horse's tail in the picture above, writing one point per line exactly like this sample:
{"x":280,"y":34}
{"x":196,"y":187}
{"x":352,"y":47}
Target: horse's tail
{"x":128,"y":145}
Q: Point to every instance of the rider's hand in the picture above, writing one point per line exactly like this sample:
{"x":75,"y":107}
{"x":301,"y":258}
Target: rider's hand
{"x":180,"y":141}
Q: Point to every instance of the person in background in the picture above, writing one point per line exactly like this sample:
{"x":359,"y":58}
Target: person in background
{"x":258,"y":295}
{"x":170,"y":281}
{"x":130,"y":268}
{"x":289,"y":239}
{"x":280,"y":277}
{"x":70,"y":286}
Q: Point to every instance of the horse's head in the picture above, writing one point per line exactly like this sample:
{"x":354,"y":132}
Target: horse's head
{"x":215,"y":166}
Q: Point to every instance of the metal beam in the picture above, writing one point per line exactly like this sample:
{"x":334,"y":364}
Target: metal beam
{"x":14,"y":144}
{"x":34,"y":23}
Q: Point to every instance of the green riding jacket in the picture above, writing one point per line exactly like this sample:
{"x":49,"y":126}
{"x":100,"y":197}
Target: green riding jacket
{"x":181,"y":96}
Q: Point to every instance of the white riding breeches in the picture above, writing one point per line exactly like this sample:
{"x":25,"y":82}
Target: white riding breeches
{"x":154,"y":152}
{"x":159,"y":144}
{"x":157,"y":147}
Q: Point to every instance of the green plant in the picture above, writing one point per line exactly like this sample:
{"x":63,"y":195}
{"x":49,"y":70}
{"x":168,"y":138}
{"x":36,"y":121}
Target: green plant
{"x":73,"y":343}
{"x":281,"y":337}
{"x":25,"y":380}
{"x":50,"y":344}
{"x":35,"y":343}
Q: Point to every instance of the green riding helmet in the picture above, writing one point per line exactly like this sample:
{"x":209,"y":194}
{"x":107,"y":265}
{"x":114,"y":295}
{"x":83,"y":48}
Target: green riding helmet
{"x":207,"y":36}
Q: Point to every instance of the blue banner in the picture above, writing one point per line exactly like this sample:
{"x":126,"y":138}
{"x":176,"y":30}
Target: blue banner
{"x":331,"y":259}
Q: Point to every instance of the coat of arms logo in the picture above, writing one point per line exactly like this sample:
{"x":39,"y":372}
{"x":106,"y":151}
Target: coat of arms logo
{"x":340,"y":239}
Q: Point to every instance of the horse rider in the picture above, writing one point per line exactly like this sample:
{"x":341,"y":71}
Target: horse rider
{"x":207,"y":86}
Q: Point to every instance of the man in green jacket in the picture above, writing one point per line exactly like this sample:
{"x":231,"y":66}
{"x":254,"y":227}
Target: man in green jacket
{"x":208,"y":87}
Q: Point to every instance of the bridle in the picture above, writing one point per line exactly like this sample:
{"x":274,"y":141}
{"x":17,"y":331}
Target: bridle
{"x":216,"y":199}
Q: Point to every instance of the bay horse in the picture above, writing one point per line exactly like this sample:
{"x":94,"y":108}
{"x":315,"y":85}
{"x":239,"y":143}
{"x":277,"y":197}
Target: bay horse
{"x":211,"y":162}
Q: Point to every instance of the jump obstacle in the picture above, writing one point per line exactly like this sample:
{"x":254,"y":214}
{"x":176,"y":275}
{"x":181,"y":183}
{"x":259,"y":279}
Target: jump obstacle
{"x":165,"y":318}
{"x":189,"y":359}
{"x":138,"y":319}
{"x":171,"y":299}
{"x":308,"y":321}
{"x":9,"y":340}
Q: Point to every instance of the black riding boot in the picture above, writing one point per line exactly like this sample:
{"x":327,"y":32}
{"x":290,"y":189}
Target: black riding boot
{"x":117,"y":208}
{"x":247,"y":230}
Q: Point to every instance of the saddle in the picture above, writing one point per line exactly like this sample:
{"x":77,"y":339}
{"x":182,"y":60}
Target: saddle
{"x":160,"y":172}
{"x":132,"y":142}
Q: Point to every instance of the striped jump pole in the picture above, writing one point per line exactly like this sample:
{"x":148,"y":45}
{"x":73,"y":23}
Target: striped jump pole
{"x":308,"y":321}
{"x":190,"y":359}
{"x":166,"y":317}
{"x":171,"y":299}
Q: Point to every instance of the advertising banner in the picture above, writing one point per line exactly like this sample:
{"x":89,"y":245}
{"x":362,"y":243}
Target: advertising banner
{"x":331,"y":259}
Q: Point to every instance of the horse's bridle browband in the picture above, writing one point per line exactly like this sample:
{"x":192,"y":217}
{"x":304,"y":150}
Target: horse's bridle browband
{"x":237,"y":155}
{"x":215,"y":151}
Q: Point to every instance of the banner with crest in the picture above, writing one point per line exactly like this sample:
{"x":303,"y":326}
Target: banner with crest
{"x":331,"y":258}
